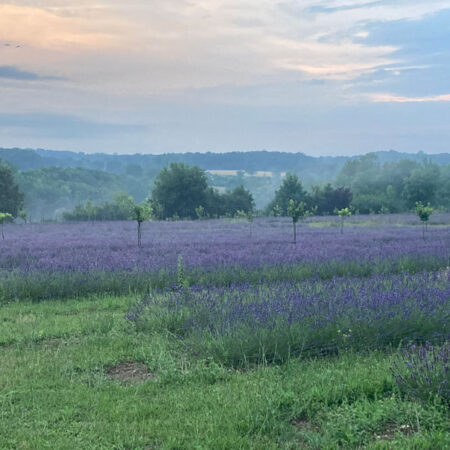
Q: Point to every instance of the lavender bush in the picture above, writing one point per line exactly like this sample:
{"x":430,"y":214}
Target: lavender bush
{"x":423,"y":371}
{"x":245,"y":324}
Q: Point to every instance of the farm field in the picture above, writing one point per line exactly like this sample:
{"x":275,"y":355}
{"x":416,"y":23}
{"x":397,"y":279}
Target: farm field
{"x":224,"y":335}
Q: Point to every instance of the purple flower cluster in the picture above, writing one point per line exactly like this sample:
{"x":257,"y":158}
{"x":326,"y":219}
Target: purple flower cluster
{"x":315,"y":315}
{"x":208,"y":245}
{"x":423,"y":371}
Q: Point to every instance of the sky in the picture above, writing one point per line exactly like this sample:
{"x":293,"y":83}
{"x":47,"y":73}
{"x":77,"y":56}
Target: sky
{"x":322,"y":77}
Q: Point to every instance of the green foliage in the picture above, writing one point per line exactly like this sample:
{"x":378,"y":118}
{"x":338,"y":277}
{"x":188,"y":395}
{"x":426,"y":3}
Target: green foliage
{"x":421,"y":185}
{"x":182,"y":281}
{"x":343,"y":213}
{"x":11,"y":198}
{"x":291,"y":189}
{"x":182,"y":192}
{"x":200,"y":211}
{"x":23,"y":215}
{"x":327,"y":198}
{"x":140,"y":214}
{"x":5,"y":217}
{"x":423,"y":211}
{"x":394,"y":186}
{"x":180,"y":189}
{"x":122,"y":207}
{"x":52,"y":191}
{"x":297,"y":210}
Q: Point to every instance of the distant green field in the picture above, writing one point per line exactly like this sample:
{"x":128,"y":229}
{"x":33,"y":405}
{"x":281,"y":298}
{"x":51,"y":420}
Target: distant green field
{"x":59,"y":361}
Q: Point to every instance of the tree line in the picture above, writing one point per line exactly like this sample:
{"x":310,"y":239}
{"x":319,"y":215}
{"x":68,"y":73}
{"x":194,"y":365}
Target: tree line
{"x":180,"y":191}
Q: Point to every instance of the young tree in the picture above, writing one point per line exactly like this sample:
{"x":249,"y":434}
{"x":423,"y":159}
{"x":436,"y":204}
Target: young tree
{"x":343,"y":213}
{"x":200,"y":211}
{"x":424,"y":213}
{"x":11,"y":199}
{"x":141,"y":213}
{"x":297,"y":211}
{"x":5,"y":217}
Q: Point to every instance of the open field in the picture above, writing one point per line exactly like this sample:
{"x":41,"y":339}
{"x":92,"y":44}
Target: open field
{"x":224,"y":335}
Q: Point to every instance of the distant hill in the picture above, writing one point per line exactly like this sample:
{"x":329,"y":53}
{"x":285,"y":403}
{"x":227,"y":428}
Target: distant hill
{"x":324,"y":167}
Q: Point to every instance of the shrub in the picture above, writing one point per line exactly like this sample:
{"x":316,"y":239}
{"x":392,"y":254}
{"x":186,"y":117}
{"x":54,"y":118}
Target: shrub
{"x":423,"y":371}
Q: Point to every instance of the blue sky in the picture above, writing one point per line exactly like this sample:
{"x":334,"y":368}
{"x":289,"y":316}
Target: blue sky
{"x":323,"y":77}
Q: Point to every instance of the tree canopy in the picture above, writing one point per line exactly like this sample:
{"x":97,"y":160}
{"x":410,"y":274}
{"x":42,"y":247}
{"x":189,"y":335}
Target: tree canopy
{"x":180,"y":190}
{"x":291,"y":189}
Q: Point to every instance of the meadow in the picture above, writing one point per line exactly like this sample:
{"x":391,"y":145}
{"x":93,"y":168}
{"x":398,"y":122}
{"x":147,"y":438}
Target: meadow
{"x":224,"y":334}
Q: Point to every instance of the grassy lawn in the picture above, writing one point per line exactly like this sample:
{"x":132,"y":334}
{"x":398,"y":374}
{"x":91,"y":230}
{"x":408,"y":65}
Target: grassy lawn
{"x":59,"y":389}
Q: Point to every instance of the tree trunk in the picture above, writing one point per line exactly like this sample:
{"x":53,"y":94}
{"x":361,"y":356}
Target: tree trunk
{"x":342,"y":226}
{"x":295,"y":232}
{"x":139,"y":234}
{"x":3,"y":235}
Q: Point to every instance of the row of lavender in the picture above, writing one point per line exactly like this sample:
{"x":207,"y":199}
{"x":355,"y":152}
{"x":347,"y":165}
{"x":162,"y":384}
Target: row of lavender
{"x":209,"y":245}
{"x":252,"y":324}
{"x":60,"y":260}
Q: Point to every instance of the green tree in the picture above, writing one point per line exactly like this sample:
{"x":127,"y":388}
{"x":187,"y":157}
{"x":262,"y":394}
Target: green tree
{"x":141,"y":213}
{"x":421,"y":185}
{"x":291,"y":189}
{"x":343,"y":213}
{"x":22,"y":214}
{"x":423,"y":212}
{"x":179,"y":190}
{"x":200,"y":211}
{"x":297,"y":211}
{"x":239,"y":199}
{"x":11,"y":199}
{"x":5,"y":217}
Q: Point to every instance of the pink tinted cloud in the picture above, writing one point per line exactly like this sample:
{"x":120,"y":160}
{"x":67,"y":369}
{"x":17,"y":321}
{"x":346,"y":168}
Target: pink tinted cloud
{"x":390,"y":98}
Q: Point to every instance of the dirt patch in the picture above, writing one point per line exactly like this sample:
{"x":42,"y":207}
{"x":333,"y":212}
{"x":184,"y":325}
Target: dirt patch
{"x":52,"y":343}
{"x":129,"y":372}
{"x":305,"y":426}
{"x":391,"y":429}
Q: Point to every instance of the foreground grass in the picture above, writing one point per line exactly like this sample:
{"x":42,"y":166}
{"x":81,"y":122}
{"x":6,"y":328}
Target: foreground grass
{"x":55,"y":393}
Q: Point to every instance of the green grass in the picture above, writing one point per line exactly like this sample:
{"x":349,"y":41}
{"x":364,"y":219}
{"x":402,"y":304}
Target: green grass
{"x":54,"y":392}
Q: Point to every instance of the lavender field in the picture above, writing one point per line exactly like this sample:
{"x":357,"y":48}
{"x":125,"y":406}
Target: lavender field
{"x":60,"y":260}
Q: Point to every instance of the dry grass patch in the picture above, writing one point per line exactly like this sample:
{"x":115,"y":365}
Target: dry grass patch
{"x":127,"y":372}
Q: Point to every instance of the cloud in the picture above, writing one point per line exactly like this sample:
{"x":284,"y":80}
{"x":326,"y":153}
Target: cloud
{"x":14,"y":73}
{"x":149,"y":48}
{"x":38,"y":26}
{"x":391,"y":98}
{"x":64,"y":126}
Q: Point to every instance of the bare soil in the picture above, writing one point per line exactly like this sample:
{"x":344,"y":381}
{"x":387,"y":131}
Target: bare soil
{"x":129,"y":372}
